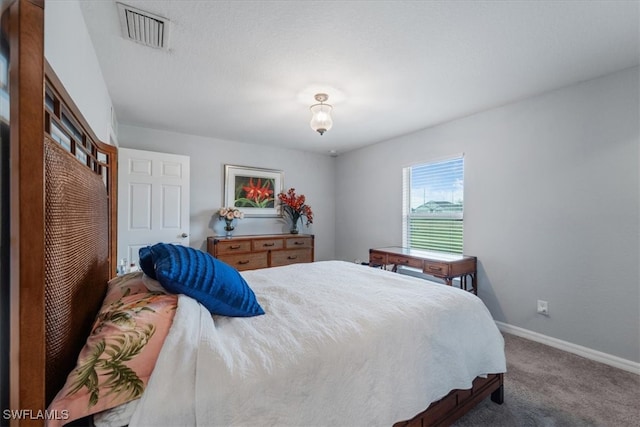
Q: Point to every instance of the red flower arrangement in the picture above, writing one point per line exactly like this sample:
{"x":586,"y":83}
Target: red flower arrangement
{"x":295,"y":208}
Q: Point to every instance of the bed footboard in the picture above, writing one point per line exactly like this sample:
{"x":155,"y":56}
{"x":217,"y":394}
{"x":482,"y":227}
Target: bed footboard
{"x":458,"y":402}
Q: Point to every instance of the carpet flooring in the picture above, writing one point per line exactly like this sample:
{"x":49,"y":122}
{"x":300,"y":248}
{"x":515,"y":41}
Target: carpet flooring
{"x":545,"y":386}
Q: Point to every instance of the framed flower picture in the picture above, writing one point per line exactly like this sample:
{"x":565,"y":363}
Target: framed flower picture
{"x":253,"y":190}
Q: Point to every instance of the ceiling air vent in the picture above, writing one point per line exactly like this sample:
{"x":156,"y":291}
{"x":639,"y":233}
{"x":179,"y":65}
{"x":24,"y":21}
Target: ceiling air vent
{"x":144,"y":27}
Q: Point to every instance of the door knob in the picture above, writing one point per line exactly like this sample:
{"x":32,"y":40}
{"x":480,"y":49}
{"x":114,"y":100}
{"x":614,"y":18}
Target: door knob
{"x":184,"y":235}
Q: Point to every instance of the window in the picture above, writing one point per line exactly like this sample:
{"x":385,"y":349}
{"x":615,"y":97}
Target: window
{"x":433,"y":202}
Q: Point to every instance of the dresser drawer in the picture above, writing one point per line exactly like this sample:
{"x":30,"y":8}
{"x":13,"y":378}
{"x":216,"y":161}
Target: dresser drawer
{"x":290,"y":256}
{"x":377,"y":258}
{"x":298,"y":243}
{"x":224,"y":247}
{"x":248,"y":261}
{"x":266,"y":244}
{"x":437,"y":268}
{"x":402,"y":260}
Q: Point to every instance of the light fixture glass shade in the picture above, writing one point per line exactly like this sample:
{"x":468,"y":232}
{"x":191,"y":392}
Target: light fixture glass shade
{"x":321,"y":117}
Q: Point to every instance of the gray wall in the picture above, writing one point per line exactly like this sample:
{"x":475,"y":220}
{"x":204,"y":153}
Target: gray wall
{"x":551,"y":207}
{"x":311,"y":174}
{"x":69,"y":50}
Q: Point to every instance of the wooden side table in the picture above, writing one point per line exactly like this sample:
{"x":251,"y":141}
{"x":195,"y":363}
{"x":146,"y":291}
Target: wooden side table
{"x":443,"y":266}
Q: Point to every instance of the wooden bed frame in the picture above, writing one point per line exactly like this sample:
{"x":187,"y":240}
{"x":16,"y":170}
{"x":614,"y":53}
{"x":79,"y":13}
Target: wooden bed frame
{"x":63,"y":232}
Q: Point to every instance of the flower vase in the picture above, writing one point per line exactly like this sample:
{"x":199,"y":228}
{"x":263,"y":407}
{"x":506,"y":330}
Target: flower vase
{"x":294,"y":228}
{"x":229,"y":228}
{"x":294,"y":224}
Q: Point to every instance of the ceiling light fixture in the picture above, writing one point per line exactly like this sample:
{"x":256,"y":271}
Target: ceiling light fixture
{"x":321,"y":114}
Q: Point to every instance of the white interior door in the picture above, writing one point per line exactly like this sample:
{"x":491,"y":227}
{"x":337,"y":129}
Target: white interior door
{"x":153,"y":200}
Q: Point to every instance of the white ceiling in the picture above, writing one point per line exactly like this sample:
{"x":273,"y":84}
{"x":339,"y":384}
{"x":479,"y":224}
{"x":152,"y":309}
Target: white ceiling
{"x":247,"y":70}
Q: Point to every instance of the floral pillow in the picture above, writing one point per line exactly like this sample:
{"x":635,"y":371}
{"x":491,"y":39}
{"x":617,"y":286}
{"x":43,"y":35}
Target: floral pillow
{"x":119,"y":355}
{"x":129,"y":284}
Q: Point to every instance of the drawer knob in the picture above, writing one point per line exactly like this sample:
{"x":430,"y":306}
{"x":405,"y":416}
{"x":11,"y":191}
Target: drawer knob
{"x":269,"y":244}
{"x":292,"y":257}
{"x":298,"y":243}
{"x":243,"y":262}
{"x":234,"y":247}
{"x":433,"y":268}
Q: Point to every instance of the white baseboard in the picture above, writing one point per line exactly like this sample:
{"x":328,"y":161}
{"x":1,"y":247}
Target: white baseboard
{"x":598,"y":356}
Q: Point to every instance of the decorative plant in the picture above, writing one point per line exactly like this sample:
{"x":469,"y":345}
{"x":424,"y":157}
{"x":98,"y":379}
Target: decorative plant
{"x":294,"y":207}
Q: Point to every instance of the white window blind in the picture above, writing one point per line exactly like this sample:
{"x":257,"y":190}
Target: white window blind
{"x":433,"y":206}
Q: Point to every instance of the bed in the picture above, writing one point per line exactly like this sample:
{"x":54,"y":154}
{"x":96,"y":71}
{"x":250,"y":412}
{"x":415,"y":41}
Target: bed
{"x":340,"y":344}
{"x":66,"y":256}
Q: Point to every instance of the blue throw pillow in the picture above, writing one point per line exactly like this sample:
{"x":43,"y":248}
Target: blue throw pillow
{"x":146,"y":262}
{"x":216,"y":285}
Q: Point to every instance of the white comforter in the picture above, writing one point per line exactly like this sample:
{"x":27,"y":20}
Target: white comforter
{"x":340,"y":345}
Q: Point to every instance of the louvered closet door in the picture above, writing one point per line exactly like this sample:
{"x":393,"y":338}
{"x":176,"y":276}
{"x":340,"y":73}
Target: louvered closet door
{"x":153,"y":200}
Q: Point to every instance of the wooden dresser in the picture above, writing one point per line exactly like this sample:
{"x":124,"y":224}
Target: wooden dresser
{"x":262,"y":251}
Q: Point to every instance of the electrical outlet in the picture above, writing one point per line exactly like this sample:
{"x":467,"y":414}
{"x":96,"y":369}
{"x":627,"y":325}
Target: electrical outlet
{"x":543,"y":307}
